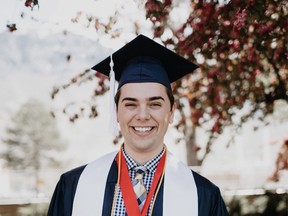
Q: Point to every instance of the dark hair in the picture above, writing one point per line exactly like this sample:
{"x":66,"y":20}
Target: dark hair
{"x":168,"y":91}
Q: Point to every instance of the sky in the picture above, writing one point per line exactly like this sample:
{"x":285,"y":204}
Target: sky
{"x":32,"y":61}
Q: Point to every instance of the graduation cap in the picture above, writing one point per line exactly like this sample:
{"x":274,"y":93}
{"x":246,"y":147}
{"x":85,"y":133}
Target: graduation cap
{"x":142,"y":60}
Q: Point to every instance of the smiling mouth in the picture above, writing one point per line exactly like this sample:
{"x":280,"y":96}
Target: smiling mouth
{"x":143,"y":129}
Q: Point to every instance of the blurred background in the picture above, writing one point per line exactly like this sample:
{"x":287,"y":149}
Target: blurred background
{"x":232,"y":119}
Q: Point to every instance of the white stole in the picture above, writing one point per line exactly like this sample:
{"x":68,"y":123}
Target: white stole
{"x":180,"y":192}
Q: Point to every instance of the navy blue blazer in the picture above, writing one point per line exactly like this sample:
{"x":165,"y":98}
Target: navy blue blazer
{"x":210,"y":202}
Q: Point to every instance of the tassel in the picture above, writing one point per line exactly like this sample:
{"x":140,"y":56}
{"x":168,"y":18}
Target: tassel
{"x":113,"y":125}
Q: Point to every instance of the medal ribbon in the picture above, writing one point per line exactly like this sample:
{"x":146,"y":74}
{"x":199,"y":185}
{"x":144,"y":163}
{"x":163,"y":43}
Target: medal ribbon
{"x":128,"y":193}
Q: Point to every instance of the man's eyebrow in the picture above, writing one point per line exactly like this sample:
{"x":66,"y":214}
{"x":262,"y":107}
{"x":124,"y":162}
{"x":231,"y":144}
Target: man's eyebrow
{"x":128,"y":99}
{"x":156,"y":98}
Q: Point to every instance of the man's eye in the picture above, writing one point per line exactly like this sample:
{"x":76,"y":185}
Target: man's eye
{"x":155,"y":105}
{"x":130,"y":105}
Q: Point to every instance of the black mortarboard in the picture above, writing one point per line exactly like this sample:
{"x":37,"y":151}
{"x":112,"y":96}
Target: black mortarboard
{"x":144,"y":60}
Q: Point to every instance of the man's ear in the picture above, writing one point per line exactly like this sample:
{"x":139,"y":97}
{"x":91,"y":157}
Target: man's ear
{"x":172,"y":113}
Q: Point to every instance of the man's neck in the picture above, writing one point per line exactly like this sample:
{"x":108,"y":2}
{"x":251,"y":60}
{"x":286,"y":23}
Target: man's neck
{"x":142,"y":157}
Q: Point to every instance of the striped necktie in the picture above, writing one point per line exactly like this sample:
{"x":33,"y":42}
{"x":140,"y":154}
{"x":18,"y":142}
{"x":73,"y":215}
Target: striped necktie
{"x":139,"y":187}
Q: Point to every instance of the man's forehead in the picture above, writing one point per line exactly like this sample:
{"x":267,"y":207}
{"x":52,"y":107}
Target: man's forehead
{"x":135,"y":88}
{"x":142,"y":90}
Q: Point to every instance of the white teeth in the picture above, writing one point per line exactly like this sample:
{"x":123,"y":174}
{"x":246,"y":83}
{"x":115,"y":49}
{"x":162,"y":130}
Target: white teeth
{"x":143,"y":129}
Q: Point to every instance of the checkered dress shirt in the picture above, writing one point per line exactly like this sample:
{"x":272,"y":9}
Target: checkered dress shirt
{"x":151,"y":165}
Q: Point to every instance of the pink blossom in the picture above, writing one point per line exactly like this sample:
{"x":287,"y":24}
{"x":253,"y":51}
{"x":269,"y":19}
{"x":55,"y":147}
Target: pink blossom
{"x":240,"y":19}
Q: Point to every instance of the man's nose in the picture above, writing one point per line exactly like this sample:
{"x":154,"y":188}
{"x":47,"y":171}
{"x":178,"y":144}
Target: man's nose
{"x":143,"y":113}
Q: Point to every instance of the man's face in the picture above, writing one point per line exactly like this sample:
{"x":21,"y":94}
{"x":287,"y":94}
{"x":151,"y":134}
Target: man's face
{"x":144,"y":113}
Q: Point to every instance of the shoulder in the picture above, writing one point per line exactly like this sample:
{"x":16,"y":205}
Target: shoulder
{"x":63,"y":196}
{"x":210,"y":201}
{"x":73,"y":174}
{"x":205,"y":187}
{"x":203,"y":183}
{"x":69,"y":180}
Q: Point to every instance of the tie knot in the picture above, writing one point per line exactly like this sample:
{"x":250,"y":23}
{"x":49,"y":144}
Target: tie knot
{"x":140,"y":171}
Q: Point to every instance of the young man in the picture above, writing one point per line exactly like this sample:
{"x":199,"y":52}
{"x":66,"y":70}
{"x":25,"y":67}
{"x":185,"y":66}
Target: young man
{"x":142,"y":178}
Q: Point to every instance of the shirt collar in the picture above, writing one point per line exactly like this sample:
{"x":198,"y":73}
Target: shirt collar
{"x":149,"y":165}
